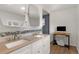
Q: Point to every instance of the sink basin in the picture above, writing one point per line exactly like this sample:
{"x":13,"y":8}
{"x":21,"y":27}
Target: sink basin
{"x":38,"y":36}
{"x":14,"y":44}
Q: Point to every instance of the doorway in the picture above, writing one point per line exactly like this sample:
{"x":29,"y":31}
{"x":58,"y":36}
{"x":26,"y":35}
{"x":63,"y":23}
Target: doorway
{"x":45,"y":28}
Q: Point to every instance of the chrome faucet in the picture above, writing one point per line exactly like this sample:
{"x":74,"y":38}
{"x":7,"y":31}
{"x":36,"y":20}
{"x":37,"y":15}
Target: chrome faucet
{"x":17,"y":36}
{"x":14,"y":36}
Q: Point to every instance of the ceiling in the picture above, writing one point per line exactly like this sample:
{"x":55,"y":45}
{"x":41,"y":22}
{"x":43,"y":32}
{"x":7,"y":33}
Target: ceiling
{"x":17,"y":8}
{"x":53,"y":7}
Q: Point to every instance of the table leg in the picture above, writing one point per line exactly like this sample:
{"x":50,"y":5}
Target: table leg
{"x":68,"y":41}
{"x":53,"y":39}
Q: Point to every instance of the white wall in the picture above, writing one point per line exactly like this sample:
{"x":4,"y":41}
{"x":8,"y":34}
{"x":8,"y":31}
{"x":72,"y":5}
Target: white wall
{"x":65,"y":17}
{"x":78,"y":28}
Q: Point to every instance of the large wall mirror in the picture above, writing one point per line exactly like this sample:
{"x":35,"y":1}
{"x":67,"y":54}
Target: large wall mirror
{"x":20,"y":15}
{"x":34,"y":16}
{"x":12,"y":14}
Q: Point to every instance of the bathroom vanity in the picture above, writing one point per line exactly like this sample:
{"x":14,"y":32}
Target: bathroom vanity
{"x":38,"y":44}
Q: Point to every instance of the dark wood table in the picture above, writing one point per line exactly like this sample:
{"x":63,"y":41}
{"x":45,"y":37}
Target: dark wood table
{"x":62,"y":33}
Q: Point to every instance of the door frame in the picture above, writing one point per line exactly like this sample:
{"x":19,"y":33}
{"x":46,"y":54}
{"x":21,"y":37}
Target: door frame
{"x":48,"y":21}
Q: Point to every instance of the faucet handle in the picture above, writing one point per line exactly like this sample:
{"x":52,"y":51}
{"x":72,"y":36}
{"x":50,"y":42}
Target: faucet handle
{"x":19,"y":37}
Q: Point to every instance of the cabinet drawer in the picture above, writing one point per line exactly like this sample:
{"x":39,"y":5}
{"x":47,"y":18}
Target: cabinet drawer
{"x":36,"y":47}
{"x":46,"y":48}
{"x":46,"y":45}
{"x":36,"y":50}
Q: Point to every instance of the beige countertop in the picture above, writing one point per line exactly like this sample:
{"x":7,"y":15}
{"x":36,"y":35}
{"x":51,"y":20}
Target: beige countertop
{"x":5,"y":50}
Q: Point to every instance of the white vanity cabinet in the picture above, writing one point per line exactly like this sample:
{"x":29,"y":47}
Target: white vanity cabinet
{"x":24,"y":50}
{"x":37,"y":47}
{"x":41,"y":46}
{"x":46,"y":45}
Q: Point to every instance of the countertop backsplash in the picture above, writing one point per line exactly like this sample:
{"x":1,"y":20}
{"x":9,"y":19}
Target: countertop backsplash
{"x":9,"y":35}
{"x":3,"y":34}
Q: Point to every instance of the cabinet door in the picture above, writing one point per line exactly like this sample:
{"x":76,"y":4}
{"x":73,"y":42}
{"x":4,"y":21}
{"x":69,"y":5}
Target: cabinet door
{"x":37,"y":47}
{"x":46,"y":45}
{"x":27,"y":50}
{"x":24,"y":50}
